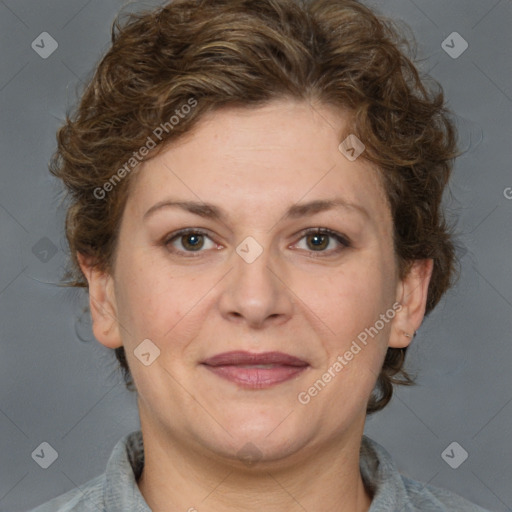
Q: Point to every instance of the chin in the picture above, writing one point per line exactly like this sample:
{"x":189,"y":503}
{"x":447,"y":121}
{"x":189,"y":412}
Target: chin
{"x":261,"y":438}
{"x":259,"y":451}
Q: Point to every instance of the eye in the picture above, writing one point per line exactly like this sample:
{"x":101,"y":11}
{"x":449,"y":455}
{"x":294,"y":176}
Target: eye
{"x":319,"y":239}
{"x":191,"y":240}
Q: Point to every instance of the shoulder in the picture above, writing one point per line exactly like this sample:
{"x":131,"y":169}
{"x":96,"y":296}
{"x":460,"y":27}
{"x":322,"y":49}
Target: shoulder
{"x":429,"y":498}
{"x":115,"y":490}
{"x":87,"y":498}
{"x":393,"y":491}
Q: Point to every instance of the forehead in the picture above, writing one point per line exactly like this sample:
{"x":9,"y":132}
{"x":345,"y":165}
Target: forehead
{"x":260,"y":159}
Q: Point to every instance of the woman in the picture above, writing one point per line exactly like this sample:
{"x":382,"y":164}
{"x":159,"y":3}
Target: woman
{"x":255,"y":210}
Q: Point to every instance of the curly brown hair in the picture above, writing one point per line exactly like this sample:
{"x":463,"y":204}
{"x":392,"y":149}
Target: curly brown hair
{"x":247,"y":53}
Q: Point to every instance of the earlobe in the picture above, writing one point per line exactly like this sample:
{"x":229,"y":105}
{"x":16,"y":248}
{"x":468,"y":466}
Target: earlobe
{"x":102,"y":303}
{"x":412,"y":295}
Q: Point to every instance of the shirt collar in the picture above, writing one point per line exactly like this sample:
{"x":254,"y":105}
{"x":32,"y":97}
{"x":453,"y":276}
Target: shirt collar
{"x":382,"y":478}
{"x":124,"y":467}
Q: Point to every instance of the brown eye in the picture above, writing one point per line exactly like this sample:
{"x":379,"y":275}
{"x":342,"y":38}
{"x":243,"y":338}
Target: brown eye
{"x":318,"y":240}
{"x":192,"y":241}
{"x":188,"y":241}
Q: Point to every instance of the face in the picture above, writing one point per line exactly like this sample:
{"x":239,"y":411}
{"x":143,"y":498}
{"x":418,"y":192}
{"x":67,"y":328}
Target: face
{"x":276,"y":270}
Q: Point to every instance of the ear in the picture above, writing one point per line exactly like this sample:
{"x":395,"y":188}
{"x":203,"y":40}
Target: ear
{"x":102,"y":304}
{"x":412,"y":294}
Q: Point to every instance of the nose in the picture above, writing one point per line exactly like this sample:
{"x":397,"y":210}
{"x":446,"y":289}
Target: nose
{"x":256,"y":290}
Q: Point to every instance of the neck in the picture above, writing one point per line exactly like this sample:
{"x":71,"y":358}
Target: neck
{"x":178,"y":477}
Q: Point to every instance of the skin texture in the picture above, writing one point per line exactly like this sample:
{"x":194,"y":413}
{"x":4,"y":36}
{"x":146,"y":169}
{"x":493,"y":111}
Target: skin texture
{"x":295,"y":298}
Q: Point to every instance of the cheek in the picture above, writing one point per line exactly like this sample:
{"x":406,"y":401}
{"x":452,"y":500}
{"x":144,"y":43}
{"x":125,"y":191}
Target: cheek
{"x":361,"y":289}
{"x":142,"y":296}
{"x":351,"y":302}
{"x":158,"y":304}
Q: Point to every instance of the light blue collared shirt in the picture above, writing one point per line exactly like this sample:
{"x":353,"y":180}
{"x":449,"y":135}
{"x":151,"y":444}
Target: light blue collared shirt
{"x":116,"y":490}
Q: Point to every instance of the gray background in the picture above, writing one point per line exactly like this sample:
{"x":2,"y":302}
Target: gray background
{"x":57,"y":385}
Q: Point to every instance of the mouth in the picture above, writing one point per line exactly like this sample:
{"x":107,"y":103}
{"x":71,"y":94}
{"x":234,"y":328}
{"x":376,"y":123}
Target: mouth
{"x":255,"y":371}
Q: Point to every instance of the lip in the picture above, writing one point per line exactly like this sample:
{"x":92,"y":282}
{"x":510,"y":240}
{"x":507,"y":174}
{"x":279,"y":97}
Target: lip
{"x":245,"y":368}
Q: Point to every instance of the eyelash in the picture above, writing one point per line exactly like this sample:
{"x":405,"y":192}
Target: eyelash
{"x":341,"y":239}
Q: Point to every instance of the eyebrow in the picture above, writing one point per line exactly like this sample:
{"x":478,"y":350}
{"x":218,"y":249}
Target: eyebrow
{"x":211,"y":211}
